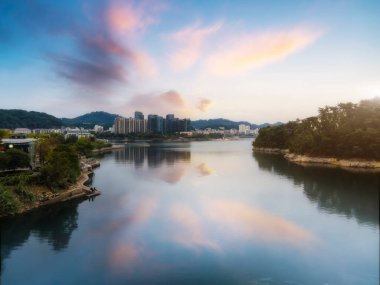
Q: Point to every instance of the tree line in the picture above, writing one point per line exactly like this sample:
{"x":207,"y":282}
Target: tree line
{"x":347,"y":130}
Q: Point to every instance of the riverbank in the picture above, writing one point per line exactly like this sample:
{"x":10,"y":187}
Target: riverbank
{"x":108,"y":148}
{"x":45,"y":197}
{"x":350,"y":164}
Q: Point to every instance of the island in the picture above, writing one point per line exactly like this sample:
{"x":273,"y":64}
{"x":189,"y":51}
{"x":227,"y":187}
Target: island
{"x":346,"y":135}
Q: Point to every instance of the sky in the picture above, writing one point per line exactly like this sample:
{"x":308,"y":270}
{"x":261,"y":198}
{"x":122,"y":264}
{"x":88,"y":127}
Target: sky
{"x":259,"y":61}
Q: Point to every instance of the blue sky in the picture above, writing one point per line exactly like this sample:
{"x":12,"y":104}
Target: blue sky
{"x":261,"y":61}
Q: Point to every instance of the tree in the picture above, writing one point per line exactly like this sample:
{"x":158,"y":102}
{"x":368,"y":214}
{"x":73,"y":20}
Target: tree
{"x":62,"y":167}
{"x":345,"y":131}
{"x":13,"y":159}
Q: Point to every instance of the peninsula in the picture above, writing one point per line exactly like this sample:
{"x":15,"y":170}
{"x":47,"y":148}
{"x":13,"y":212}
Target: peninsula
{"x":55,"y":171}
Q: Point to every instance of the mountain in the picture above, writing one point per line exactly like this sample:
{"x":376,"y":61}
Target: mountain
{"x":11,"y":119}
{"x":91,"y":119}
{"x":227,"y":124}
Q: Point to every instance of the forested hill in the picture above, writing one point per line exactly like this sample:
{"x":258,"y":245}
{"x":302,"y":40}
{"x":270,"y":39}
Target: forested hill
{"x":100,"y":118}
{"x":11,"y":119}
{"x":227,"y":124}
{"x":344,"y":131}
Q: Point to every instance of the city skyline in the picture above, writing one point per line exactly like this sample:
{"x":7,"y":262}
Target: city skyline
{"x":249,"y":60}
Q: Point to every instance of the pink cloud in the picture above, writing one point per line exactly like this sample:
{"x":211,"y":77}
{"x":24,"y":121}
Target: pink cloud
{"x":127,"y":17}
{"x":204,"y":105}
{"x":253,"y":51}
{"x":126,"y":21}
{"x":165,"y":103}
{"x":189,"y":42}
{"x":144,"y":63}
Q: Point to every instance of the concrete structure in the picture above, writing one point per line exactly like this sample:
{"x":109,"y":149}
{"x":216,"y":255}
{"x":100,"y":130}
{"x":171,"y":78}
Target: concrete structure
{"x":26,"y":145}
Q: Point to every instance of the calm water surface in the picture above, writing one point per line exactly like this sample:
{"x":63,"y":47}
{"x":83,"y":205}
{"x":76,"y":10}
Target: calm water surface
{"x":202,"y":213}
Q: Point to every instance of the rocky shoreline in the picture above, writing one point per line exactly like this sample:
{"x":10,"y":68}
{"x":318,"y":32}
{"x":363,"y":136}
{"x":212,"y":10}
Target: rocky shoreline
{"x":351,"y":164}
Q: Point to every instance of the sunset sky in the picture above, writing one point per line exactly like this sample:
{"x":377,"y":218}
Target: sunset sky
{"x":260,"y":61}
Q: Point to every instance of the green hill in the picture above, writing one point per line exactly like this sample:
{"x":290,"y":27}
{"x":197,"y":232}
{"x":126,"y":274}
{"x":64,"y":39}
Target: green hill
{"x":91,"y":119}
{"x":11,"y":119}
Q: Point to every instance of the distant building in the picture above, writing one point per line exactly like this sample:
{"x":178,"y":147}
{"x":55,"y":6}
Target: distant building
{"x":98,"y":129}
{"x":244,"y":129}
{"x":79,"y":133}
{"x":155,"y":124}
{"x":123,"y":126}
{"x":23,"y":131}
{"x":46,"y":131}
{"x":139,"y":115}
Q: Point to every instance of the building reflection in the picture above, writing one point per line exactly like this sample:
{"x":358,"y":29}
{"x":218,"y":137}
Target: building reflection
{"x":54,"y":225}
{"x":154,"y":156}
{"x":353,"y":194}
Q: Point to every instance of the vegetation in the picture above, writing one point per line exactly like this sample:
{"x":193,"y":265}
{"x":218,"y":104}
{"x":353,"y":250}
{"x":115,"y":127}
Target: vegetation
{"x":4,"y":133}
{"x":8,"y":203}
{"x":61,"y":167}
{"x":13,"y":159}
{"x":344,"y":131}
{"x":11,"y":119}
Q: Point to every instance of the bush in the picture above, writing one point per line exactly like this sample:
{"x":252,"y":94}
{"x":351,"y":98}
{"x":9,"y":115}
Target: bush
{"x":13,"y":159}
{"x":8,"y":203}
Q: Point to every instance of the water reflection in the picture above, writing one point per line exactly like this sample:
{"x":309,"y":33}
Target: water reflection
{"x":155,"y":155}
{"x":51,"y":224}
{"x":334,"y":190}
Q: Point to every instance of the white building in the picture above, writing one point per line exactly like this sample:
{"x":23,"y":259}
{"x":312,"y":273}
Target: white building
{"x":23,"y":131}
{"x":244,"y":129}
{"x":79,"y":133}
{"x":98,"y":129}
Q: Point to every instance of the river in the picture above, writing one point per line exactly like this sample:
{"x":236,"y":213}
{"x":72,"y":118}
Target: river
{"x":202,"y":213}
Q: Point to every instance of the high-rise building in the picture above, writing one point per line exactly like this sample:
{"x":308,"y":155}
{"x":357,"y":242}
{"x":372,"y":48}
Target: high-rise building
{"x":139,"y":115}
{"x":169,"y":125}
{"x":125,"y":126}
{"x":155,"y":124}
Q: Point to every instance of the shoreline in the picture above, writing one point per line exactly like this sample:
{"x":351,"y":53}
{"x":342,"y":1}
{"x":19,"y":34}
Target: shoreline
{"x":76,"y":191}
{"x":348,"y":164}
{"x":108,"y":148}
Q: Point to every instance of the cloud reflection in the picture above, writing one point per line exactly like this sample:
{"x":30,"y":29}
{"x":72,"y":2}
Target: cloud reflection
{"x":188,"y":230}
{"x":123,"y":256}
{"x":204,"y":169}
{"x":244,"y":222}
